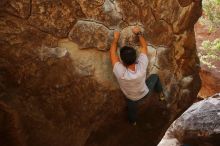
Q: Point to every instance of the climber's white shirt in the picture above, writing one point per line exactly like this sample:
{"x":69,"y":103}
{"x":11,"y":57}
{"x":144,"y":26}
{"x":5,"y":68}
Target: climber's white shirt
{"x":132,"y":83}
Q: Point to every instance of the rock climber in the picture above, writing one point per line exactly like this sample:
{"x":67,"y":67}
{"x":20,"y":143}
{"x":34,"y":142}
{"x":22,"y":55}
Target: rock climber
{"x":131,"y":73}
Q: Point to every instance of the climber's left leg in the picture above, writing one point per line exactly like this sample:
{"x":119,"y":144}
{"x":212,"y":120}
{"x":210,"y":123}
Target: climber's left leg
{"x":132,"y":111}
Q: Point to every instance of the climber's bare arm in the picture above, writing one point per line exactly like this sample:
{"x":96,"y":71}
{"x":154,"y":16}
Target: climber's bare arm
{"x":113,"y":49}
{"x":142,"y":40}
{"x":143,"y":43}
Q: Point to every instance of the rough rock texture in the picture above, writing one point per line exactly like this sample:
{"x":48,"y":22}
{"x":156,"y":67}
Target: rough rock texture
{"x":98,"y":35}
{"x":210,"y":83}
{"x":19,"y":8}
{"x":199,"y":125}
{"x":57,"y":87}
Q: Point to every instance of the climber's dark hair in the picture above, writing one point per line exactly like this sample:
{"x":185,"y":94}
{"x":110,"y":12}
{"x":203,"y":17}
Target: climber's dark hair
{"x":128,"y":55}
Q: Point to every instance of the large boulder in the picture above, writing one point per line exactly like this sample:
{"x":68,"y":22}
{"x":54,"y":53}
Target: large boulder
{"x":56,"y":80}
{"x":199,"y":125}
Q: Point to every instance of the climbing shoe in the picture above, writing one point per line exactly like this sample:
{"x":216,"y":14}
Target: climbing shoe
{"x":134,"y":123}
{"x":162,"y":96}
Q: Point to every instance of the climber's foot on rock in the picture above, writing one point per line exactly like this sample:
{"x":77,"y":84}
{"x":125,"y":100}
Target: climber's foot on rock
{"x":134,"y":123}
{"x":162,"y":96}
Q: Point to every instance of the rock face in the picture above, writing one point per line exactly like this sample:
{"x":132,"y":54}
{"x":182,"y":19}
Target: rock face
{"x":199,"y":125}
{"x":56,"y":80}
{"x":210,"y":83}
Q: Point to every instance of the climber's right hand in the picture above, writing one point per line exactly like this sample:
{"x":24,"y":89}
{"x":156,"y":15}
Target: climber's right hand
{"x":136,"y":30}
{"x":143,"y":43}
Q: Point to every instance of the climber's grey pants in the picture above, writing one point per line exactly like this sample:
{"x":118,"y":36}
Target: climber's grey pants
{"x":153,"y":83}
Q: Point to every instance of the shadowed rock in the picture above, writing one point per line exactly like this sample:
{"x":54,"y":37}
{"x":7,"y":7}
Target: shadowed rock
{"x":185,"y":3}
{"x":19,"y":8}
{"x":55,"y":17}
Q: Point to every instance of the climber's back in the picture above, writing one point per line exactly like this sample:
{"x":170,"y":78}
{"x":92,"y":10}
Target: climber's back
{"x":132,"y":80}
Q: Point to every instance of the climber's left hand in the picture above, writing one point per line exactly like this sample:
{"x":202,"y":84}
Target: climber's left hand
{"x":116,"y":35}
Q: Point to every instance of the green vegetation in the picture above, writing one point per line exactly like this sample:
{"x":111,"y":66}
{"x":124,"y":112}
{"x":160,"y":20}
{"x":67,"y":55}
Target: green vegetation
{"x":210,"y":52}
{"x":211,"y":14}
